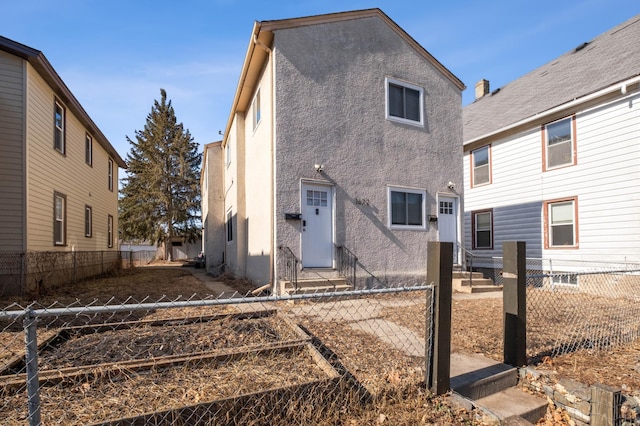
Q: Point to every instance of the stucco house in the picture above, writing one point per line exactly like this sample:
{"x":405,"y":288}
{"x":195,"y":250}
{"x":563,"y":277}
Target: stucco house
{"x":58,"y":172}
{"x":343,"y":139}
{"x":552,"y":158}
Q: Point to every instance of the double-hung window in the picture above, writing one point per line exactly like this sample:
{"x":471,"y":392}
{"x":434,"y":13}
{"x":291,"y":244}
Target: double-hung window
{"x":58,"y":127}
{"x":88,"y":220}
{"x":406,"y":208}
{"x":59,"y":219}
{"x":110,"y":174}
{"x":481,"y":166}
{"x":562,"y":223}
{"x":559,"y":140}
{"x":110,"y":231}
{"x":404,"y":102}
{"x":257,"y":112}
{"x":482,"y":224}
{"x":229,"y":226}
{"x":88,"y":149}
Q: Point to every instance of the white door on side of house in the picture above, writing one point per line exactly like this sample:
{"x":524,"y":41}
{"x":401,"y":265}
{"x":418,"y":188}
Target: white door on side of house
{"x":317,"y":226}
{"x":448,"y":223}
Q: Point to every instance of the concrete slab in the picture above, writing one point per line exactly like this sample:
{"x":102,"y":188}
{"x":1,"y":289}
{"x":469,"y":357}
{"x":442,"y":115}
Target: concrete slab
{"x":514,"y":403}
{"x":475,"y":376}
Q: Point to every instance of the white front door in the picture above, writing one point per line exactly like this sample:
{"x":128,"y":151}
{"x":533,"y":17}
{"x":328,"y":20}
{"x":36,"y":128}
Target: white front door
{"x":448,"y":223}
{"x":317,"y":226}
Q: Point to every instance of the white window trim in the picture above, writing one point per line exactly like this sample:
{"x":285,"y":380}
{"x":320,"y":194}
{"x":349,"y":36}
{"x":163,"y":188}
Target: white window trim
{"x":88,"y":141}
{"x":389,"y":80}
{"x":88,"y":221}
{"x":572,"y":144}
{"x":549,"y":225}
{"x":255,"y":108}
{"x":61,"y":129}
{"x":110,"y":172}
{"x":109,"y":231}
{"x":473,"y":167}
{"x":422,"y":192}
{"x":62,"y":220}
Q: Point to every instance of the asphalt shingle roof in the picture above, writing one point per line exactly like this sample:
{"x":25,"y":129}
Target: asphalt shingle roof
{"x":608,"y":59}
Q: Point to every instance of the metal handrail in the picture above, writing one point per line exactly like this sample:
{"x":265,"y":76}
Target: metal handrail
{"x":347,"y":262}
{"x":467,"y":253}
{"x":291,"y":265}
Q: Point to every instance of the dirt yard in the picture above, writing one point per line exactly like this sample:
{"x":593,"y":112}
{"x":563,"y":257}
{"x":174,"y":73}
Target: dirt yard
{"x":400,"y":399}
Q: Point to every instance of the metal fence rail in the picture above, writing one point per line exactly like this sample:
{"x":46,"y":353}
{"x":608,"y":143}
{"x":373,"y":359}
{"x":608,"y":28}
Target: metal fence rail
{"x":299,"y":359}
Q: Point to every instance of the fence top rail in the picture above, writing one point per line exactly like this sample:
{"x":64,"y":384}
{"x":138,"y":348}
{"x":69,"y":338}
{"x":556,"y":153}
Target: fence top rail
{"x":604,"y":271}
{"x":235,"y":299}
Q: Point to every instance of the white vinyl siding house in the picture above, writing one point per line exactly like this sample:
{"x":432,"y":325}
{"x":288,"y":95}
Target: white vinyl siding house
{"x":564,"y":176}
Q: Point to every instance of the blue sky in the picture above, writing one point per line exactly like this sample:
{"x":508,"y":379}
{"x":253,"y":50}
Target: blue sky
{"x":116,"y":55}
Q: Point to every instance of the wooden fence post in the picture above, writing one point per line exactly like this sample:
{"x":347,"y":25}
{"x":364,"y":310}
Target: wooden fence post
{"x":514,"y":302}
{"x":438,"y":357}
{"x":605,"y":405}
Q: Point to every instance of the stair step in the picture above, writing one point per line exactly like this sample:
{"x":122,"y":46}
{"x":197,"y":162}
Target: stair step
{"x":466,"y":275}
{"x":485,"y":381}
{"x":478,"y":288}
{"x":316,"y":285}
{"x":491,"y":386}
{"x":513,"y":406}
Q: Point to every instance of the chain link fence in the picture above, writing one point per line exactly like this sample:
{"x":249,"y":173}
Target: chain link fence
{"x":574,"y":305}
{"x":300,"y":359}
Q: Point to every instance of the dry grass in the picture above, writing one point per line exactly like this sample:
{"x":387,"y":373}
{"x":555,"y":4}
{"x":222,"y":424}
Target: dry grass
{"x":389,"y":376}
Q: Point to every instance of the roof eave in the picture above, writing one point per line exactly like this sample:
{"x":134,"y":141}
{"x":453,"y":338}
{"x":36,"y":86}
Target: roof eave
{"x":603,"y":95}
{"x":40,"y":63}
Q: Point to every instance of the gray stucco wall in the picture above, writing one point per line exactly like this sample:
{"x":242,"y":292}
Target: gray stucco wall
{"x":330,"y":109}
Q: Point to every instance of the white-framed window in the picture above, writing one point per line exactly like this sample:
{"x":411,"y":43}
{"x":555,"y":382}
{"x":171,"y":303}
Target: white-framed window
{"x":88,"y":149}
{"x":256,"y":110}
{"x":404,"y":102}
{"x":110,"y":173}
{"x":481,"y":166}
{"x":110,"y":231}
{"x":88,"y":220}
{"x":229,"y":226}
{"x":58,"y":127}
{"x":406,"y":208}
{"x":559,"y":140}
{"x":482,"y":225}
{"x":59,"y":219}
{"x":561,"y":218}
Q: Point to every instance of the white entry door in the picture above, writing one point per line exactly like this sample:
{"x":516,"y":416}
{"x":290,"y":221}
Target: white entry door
{"x":448,"y":223}
{"x":317,"y":226}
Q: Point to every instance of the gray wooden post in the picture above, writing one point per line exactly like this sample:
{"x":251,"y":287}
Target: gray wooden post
{"x":514,"y":303}
{"x":439,"y":274}
{"x":605,"y":405}
{"x":31,"y":361}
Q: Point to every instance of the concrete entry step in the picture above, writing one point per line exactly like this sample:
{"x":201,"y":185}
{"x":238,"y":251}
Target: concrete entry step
{"x":514,"y":406}
{"x":316,"y":285}
{"x":491,"y":386}
{"x":475,"y":376}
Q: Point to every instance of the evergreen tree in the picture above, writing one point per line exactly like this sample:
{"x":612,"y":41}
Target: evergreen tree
{"x":160,"y":195}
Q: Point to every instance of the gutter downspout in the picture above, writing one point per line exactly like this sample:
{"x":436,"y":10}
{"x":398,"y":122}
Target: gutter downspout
{"x":272,"y":255}
{"x":623,"y":87}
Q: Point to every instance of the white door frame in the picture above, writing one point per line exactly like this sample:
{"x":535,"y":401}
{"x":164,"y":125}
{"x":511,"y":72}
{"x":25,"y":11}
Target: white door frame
{"x":330,"y":263}
{"x":457,"y":243}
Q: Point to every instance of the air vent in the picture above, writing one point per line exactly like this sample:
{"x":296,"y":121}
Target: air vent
{"x":582,"y":46}
{"x":495,"y":92}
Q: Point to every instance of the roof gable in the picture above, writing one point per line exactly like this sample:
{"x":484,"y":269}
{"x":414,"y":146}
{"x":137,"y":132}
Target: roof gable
{"x":261,"y":42}
{"x":40,"y":63}
{"x":610,"y":58}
